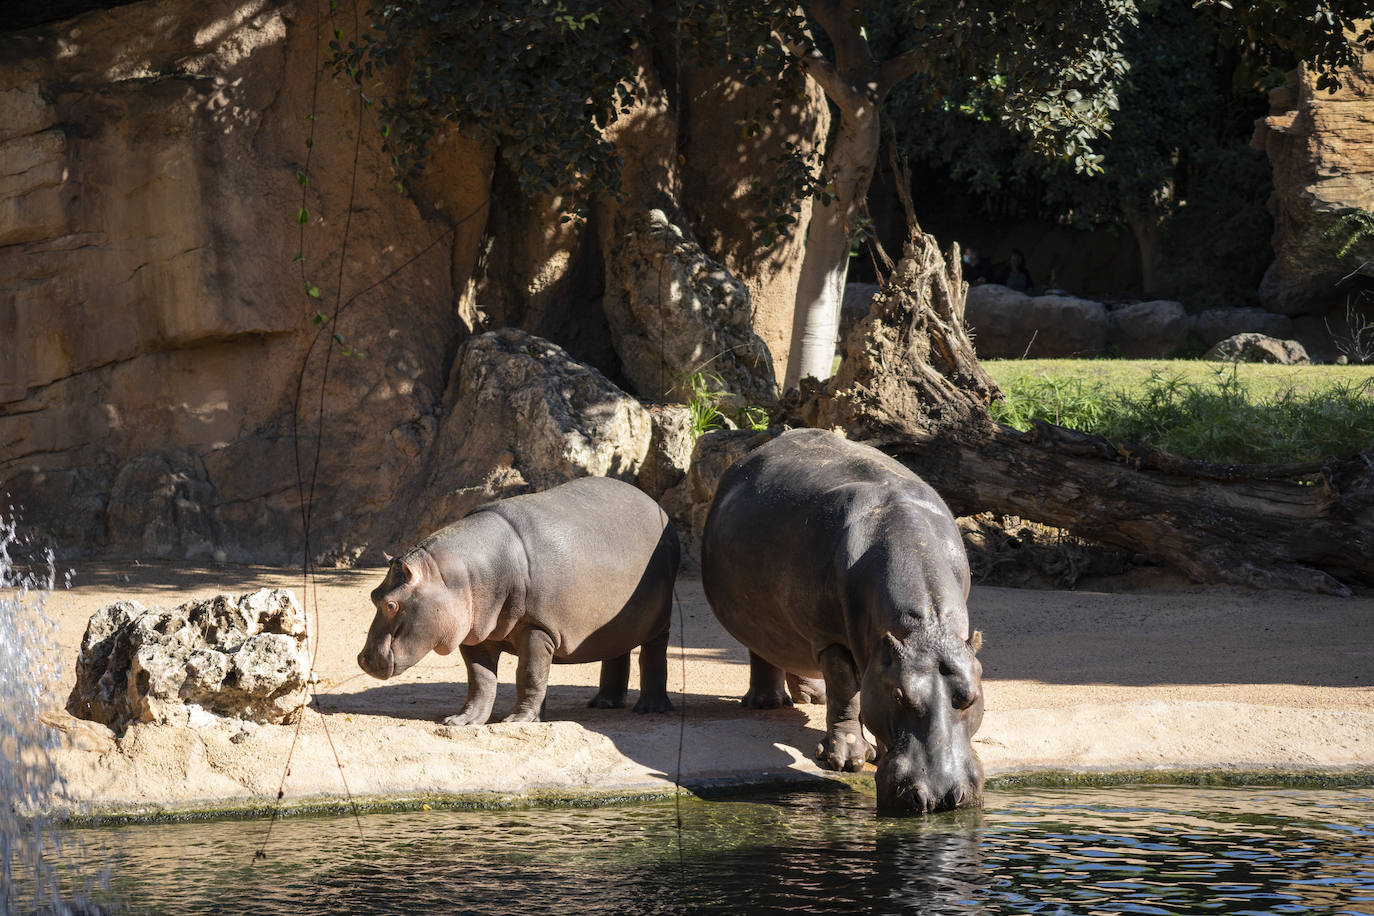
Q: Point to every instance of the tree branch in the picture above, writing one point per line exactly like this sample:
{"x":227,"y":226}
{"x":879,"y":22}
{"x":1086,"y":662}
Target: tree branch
{"x":822,"y":70}
{"x":893,"y":71}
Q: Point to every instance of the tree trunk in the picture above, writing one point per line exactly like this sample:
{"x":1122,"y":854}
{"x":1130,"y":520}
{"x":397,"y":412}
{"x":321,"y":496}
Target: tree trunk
{"x":856,"y":85}
{"x":911,"y":385}
{"x":820,"y":289}
{"x":1146,"y":232}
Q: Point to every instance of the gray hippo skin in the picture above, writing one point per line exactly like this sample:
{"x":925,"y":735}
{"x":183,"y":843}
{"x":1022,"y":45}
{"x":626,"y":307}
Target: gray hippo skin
{"x":583,"y":572}
{"x":828,"y":559}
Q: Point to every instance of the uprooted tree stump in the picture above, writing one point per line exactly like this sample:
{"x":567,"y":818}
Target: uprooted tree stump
{"x":911,"y":385}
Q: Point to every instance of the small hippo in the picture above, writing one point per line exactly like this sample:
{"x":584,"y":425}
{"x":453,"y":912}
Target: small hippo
{"x":829,"y":560}
{"x":583,"y":572}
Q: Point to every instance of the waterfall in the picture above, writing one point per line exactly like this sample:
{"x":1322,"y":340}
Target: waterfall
{"x":30,"y":846}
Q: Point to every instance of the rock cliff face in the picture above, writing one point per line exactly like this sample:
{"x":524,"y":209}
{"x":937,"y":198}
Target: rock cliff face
{"x":153,"y":323}
{"x":163,"y":363}
{"x":1321,"y":148}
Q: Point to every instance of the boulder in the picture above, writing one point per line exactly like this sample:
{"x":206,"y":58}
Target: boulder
{"x":1215,"y":325}
{"x":674,"y":312}
{"x":1148,"y":330}
{"x":520,"y":415}
{"x":1321,"y":149}
{"x":1257,"y":348}
{"x":1008,"y":324}
{"x":244,"y":657}
{"x":688,"y":503}
{"x":670,"y":449}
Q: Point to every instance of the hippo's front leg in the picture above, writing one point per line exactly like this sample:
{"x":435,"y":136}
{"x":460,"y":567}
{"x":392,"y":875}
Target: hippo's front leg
{"x":534,"y":648}
{"x":844,"y":747}
{"x":481,"y":662}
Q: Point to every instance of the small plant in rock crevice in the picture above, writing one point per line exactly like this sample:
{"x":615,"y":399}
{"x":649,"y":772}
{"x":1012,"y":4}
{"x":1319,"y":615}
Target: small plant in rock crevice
{"x":706,"y":397}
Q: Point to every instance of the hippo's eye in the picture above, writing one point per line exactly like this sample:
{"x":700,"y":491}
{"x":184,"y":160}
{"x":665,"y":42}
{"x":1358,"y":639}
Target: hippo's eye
{"x":391,"y":608}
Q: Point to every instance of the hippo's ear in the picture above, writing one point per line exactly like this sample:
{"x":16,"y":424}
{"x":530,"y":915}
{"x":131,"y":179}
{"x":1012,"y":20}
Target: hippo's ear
{"x":975,"y":642}
{"x":889,"y":651}
{"x":388,"y":556}
{"x":408,"y":571}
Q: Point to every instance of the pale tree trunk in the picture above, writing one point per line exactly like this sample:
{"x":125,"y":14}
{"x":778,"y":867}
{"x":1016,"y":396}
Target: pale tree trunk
{"x":820,"y":289}
{"x":1146,"y":232}
{"x":856,"y":84}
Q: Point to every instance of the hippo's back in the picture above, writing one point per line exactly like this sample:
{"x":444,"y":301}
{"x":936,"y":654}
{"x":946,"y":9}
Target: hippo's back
{"x":601,"y":555}
{"x":788,"y":524}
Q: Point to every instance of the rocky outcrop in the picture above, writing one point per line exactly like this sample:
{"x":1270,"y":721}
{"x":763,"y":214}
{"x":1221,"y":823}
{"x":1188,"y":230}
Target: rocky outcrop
{"x":244,"y":657}
{"x":520,"y":415}
{"x":674,"y":312}
{"x":1143,"y":330}
{"x":1321,"y":148}
{"x":688,"y":503}
{"x":1007,"y":324}
{"x":1256,"y":348}
{"x":670,"y":449}
{"x":1215,"y":325}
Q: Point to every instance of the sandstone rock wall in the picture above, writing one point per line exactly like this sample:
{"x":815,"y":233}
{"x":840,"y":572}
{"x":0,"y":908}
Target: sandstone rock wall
{"x":153,"y":324}
{"x":1321,"y":148}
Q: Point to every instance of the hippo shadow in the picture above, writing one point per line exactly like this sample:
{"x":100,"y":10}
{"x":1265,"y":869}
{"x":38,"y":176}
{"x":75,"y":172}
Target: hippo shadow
{"x":708,"y":741}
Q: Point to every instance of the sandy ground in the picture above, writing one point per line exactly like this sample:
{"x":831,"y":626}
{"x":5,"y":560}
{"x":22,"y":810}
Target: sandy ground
{"x":1134,"y":679}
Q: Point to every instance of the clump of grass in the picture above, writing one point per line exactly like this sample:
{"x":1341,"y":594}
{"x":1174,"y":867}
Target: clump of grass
{"x":708,"y":399}
{"x":1220,"y":419}
{"x":705,"y":391}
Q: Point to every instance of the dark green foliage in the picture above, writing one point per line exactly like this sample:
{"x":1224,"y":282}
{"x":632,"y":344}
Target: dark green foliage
{"x":1213,"y":251}
{"x":1175,"y":166}
{"x":1351,"y":229}
{"x":540,"y":79}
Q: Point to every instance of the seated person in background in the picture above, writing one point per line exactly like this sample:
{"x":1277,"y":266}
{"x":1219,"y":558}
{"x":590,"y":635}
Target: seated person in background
{"x":975,"y":271}
{"x":1018,"y":275}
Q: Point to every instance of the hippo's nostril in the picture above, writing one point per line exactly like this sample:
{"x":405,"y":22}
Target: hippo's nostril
{"x":955,"y":798}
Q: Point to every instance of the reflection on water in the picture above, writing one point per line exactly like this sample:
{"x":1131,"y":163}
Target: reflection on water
{"x":1127,"y":850}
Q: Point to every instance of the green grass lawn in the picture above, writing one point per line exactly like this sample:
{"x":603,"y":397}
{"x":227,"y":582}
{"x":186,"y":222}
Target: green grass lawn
{"x":1226,"y":412}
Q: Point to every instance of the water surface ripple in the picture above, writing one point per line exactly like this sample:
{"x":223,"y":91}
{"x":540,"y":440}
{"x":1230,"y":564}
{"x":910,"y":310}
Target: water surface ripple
{"x":1146,"y":850}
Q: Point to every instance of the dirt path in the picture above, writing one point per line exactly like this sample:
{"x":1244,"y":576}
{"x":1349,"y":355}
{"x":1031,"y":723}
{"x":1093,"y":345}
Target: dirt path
{"x":1183,"y":678}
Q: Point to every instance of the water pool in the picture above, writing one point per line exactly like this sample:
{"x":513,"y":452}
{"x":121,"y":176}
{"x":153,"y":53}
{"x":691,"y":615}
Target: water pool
{"x":1082,"y":851}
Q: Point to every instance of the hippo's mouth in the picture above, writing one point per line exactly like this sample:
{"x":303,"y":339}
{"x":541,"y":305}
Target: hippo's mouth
{"x":904,"y":789}
{"x":381,"y":665}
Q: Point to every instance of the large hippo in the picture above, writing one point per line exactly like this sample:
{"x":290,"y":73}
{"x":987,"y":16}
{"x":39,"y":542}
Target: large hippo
{"x":828,"y":559}
{"x":583,"y":572}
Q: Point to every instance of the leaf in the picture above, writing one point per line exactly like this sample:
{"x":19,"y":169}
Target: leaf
{"x":300,"y":256}
{"x":302,"y":179}
{"x":318,"y":319}
{"x":302,"y":216}
{"x":313,"y":291}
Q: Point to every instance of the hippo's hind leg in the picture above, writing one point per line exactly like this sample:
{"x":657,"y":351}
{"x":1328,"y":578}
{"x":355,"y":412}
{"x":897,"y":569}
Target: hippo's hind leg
{"x":805,"y":689}
{"x":615,"y":683}
{"x":481,"y":663}
{"x":767,"y":685}
{"x":844,"y":747}
{"x":653,"y":675}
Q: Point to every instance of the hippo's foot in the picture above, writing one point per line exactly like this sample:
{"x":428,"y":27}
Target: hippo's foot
{"x":806,"y":689}
{"x":845,"y":749}
{"x":468,"y":717}
{"x":524,"y":715}
{"x":766,"y":698}
{"x":608,"y":699}
{"x":653,"y":702}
